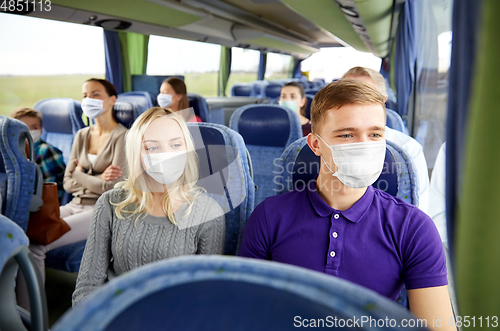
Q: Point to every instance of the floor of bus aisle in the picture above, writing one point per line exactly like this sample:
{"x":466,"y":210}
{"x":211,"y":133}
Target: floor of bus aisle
{"x":59,"y":287}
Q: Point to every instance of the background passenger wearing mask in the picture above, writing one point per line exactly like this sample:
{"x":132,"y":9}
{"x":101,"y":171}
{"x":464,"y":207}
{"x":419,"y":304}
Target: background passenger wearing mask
{"x":96,"y":164}
{"x":294,"y":98}
{"x":158,"y":212}
{"x":410,"y":145}
{"x":49,"y":158}
{"x":173,"y":95}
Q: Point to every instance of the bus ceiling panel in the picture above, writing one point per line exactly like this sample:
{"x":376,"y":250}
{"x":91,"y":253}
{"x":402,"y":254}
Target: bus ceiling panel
{"x":281,"y":15}
{"x":275,"y":45}
{"x":362,"y":24}
{"x":211,"y":26}
{"x":133,"y":10}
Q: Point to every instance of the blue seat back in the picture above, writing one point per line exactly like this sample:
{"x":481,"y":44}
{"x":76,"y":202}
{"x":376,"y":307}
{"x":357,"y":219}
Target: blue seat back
{"x":259,"y":88}
{"x":62,"y":118}
{"x":227,"y":293}
{"x":142,"y":99}
{"x":273,"y":90}
{"x":267,"y":131}
{"x":126,"y":112}
{"x":309,"y":101}
{"x":298,"y":165}
{"x":18,"y":174}
{"x":320,"y":82}
{"x":14,"y":252}
{"x":150,"y":84}
{"x":225,"y":172}
{"x":200,"y":106}
{"x":394,"y":121}
{"x":241,"y":90}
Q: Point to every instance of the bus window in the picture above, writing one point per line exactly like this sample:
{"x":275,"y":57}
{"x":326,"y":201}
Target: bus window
{"x":198,"y":62}
{"x":433,"y":62}
{"x":333,"y":62}
{"x":244,"y":67}
{"x":46,"y":59}
{"x":278,"y":66}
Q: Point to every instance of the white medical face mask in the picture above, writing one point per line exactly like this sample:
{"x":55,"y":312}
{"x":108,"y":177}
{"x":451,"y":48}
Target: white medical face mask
{"x":292,"y":105}
{"x":92,"y":107}
{"x":165,"y":168}
{"x":164,"y":100}
{"x":36,"y":134}
{"x":359,"y":164}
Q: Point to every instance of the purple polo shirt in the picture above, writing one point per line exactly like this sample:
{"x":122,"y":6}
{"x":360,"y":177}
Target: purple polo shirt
{"x":381,"y":242}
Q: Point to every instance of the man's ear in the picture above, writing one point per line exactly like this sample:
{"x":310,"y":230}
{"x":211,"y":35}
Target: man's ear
{"x":313,"y":142}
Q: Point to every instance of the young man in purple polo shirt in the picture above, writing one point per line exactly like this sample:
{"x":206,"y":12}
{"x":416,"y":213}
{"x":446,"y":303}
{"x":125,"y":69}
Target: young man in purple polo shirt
{"x":340,"y":225}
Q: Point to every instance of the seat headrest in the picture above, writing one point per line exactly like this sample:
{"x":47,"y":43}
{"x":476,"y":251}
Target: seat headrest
{"x":265,"y":125}
{"x":242,"y":90}
{"x":273,"y":90}
{"x":199,"y":105}
{"x":125,"y":113}
{"x":141,"y":98}
{"x":60,"y":114}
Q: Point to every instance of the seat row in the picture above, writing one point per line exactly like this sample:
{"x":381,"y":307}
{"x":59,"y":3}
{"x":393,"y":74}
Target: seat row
{"x":272,"y":89}
{"x":211,"y":284}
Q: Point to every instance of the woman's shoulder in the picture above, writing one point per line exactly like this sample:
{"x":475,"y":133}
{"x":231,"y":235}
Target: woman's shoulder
{"x":113,"y":196}
{"x":120,"y":130}
{"x":82,"y":132}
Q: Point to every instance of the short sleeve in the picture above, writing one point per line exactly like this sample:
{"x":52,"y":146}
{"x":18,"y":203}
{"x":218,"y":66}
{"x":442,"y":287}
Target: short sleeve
{"x":255,"y":235}
{"x":424,"y":258}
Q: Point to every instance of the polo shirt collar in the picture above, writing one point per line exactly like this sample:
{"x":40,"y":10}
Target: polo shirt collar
{"x":354,"y":214}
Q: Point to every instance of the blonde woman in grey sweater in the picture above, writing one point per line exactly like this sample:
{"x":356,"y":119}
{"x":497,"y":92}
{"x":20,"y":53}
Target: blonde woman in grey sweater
{"x":158,"y":212}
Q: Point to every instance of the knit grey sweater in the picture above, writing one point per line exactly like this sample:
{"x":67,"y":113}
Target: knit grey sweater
{"x":115,"y":246}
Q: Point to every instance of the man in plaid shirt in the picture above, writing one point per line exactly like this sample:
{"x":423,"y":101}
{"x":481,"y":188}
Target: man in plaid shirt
{"x":49,"y":159}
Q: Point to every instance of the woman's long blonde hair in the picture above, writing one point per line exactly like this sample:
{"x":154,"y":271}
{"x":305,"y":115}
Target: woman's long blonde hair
{"x":136,"y":186}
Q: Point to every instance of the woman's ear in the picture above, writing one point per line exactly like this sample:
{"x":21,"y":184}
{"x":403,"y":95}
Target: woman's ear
{"x":303,"y":102}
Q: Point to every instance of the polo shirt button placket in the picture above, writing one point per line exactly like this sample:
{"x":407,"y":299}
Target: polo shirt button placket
{"x":336,"y":216}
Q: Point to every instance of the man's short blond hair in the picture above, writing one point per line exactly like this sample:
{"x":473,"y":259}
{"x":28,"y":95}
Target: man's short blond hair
{"x":375,"y":76}
{"x":24,"y":111}
{"x":340,"y":93}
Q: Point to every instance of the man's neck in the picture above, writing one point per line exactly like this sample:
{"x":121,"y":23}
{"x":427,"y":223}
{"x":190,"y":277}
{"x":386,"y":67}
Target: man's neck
{"x":335,"y":193}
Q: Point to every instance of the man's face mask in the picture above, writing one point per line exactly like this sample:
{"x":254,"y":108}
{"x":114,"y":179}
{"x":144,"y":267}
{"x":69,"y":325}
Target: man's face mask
{"x":92,"y":108}
{"x":359,"y":164}
{"x":165,"y":168}
{"x":164,"y":100}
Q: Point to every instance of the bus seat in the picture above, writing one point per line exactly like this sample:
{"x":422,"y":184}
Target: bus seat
{"x":14,"y":253}
{"x":62,"y":118}
{"x":222,"y":152}
{"x":126,"y":112}
{"x":273,"y":90}
{"x":267,"y":131}
{"x":319,"y":82}
{"x":141,"y":98}
{"x":241,"y":90}
{"x":19,"y":174}
{"x":313,"y":90}
{"x":66,"y":258}
{"x":200,"y":106}
{"x":259,"y":88}
{"x":151,"y":84}
{"x":309,"y":102}
{"x":394,"y":121}
{"x":227,"y":293}
{"x":298,"y":165}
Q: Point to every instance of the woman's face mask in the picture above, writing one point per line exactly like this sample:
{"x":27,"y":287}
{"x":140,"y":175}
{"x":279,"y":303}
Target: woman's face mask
{"x":164,"y":100}
{"x":164,"y":152}
{"x":92,"y":108}
{"x":291,"y":98}
{"x":359,"y":164}
{"x":167,"y":167}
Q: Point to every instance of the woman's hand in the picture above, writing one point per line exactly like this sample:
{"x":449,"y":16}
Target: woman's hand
{"x":78,"y":166}
{"x":111,"y":173}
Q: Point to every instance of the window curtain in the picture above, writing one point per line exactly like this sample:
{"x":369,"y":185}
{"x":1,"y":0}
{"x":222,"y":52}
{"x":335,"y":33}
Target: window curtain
{"x":224,"y":69}
{"x":262,"y":66}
